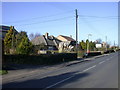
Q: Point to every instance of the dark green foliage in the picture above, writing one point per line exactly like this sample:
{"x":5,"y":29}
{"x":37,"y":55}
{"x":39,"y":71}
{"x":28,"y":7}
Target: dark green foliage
{"x":19,"y":37}
{"x":94,"y":53}
{"x":91,"y":54}
{"x":24,"y":46}
{"x":17,"y":43}
{"x":40,"y":59}
{"x":84,"y":45}
{"x":92,"y":46}
{"x":9,"y":40}
{"x":109,"y":51}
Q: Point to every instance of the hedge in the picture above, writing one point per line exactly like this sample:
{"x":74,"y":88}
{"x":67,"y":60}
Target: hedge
{"x":109,"y":51}
{"x":90,"y":54}
{"x":94,"y":53}
{"x":40,"y":59}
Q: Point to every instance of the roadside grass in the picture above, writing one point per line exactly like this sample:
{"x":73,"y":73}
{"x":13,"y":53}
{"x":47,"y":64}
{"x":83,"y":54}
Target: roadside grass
{"x":2,"y":72}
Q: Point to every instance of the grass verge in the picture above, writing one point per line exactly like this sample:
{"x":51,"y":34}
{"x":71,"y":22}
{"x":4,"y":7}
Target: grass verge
{"x":2,"y":72}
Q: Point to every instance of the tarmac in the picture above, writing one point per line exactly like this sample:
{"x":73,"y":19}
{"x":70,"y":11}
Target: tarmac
{"x":29,"y":70}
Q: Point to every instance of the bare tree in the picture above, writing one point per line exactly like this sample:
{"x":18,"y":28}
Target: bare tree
{"x":99,"y":40}
{"x":32,"y":35}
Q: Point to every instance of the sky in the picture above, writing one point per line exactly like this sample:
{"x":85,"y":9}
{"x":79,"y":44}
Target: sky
{"x":100,"y":19}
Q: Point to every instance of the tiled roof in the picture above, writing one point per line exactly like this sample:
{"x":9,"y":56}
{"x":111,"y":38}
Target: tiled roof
{"x":51,"y":40}
{"x":67,"y":38}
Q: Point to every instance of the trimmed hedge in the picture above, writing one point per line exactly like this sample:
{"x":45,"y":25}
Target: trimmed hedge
{"x":90,"y":54}
{"x":40,"y":59}
{"x":94,"y":53}
{"x":109,"y":51}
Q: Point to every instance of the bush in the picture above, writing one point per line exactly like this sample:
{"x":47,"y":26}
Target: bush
{"x":40,"y":59}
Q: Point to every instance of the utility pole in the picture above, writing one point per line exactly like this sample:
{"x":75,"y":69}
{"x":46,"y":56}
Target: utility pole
{"x":106,"y":43}
{"x":88,"y":43}
{"x":13,"y":37}
{"x":76,"y":30}
{"x":114,"y":45}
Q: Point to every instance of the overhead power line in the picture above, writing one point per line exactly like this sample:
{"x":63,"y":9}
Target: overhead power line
{"x":46,"y":16}
{"x":51,"y":20}
{"x":106,"y":17}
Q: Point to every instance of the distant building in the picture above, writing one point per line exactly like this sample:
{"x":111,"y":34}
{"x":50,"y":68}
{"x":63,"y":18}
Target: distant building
{"x":98,"y":45}
{"x":51,"y":42}
{"x":104,"y":44}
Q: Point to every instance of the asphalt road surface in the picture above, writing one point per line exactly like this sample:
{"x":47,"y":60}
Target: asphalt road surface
{"x":97,"y":73}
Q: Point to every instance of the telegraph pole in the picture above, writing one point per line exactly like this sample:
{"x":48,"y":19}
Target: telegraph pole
{"x":88,"y":43}
{"x":114,"y":45}
{"x":106,"y":43}
{"x":12,"y":36}
{"x":76,"y":29}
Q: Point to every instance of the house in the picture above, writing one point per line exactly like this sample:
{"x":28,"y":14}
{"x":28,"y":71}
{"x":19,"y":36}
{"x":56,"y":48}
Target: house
{"x":68,"y":43}
{"x":104,"y":44}
{"x":67,"y":39}
{"x":51,"y":42}
{"x":98,"y":45}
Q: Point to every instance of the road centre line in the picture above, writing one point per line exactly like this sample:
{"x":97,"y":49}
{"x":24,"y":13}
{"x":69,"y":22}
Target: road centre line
{"x":111,"y":57}
{"x":89,"y":68}
{"x":108,"y":59}
{"x":59,"y":82}
{"x":69,"y":78}
{"x":74,"y":75}
{"x":101,"y":62}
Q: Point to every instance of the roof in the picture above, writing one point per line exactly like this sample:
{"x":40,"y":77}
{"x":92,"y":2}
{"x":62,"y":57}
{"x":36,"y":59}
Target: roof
{"x":50,"y":41}
{"x":39,"y":40}
{"x":67,"y":38}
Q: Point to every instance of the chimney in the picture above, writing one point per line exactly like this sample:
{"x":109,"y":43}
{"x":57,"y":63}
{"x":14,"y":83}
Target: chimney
{"x":46,"y":35}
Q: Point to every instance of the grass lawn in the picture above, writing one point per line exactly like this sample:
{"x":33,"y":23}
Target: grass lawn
{"x":3,"y":72}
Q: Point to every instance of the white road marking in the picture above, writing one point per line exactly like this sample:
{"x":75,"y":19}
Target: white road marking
{"x":101,"y":62}
{"x":74,"y":75}
{"x":111,"y":57}
{"x":89,"y":68}
{"x":59,"y":82}
{"x":69,"y":78}
{"x":108,"y":59}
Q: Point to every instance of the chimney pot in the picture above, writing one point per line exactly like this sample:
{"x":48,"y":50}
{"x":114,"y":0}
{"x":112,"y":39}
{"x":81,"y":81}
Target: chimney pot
{"x":46,"y":35}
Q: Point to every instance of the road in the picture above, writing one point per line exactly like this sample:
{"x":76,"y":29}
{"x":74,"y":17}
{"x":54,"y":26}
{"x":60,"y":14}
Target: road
{"x":96,"y":73}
